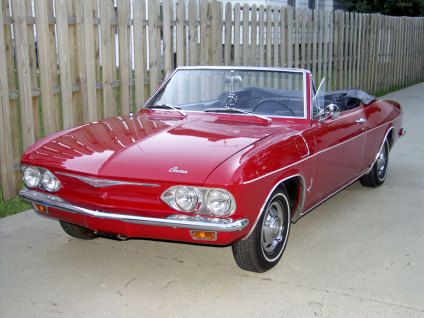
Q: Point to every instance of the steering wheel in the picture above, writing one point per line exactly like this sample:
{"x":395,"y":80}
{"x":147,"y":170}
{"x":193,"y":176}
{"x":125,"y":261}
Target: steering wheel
{"x":276,"y":102}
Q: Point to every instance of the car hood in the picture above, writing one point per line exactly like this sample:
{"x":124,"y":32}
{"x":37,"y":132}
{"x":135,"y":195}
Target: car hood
{"x":152,"y":145}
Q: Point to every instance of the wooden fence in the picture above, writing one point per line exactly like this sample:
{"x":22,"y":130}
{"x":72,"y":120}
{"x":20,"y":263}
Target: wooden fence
{"x":58,"y":59}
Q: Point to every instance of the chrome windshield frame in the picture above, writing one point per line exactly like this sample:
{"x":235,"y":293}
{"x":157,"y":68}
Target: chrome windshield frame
{"x":306,"y":94}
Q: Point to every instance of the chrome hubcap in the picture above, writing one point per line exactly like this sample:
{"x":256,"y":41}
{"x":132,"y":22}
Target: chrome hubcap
{"x":381,"y":163}
{"x":273,"y":227}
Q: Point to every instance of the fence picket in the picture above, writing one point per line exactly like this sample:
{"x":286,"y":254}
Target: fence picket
{"x":296,"y":37}
{"x":86,"y":55}
{"x":125,"y":74}
{"x":303,"y":39}
{"x":216,"y":35}
{"x":154,"y":43}
{"x":180,"y":33}
{"x":236,"y":34}
{"x":10,"y":186}
{"x":140,"y":68}
{"x":321,"y":40}
{"x":276,"y":40}
{"x":6,"y":154}
{"x":261,"y":52}
{"x":253,"y":31}
{"x":204,"y":32}
{"x":268,"y":37}
{"x":33,"y":71}
{"x":107,"y":55}
{"x":167,"y":11}
{"x":326,"y":37}
{"x":44,"y":60}
{"x":77,"y":100}
{"x":330,"y":82}
{"x":289,"y":36}
{"x":283,"y":42}
{"x":193,"y":31}
{"x":245,"y":28}
{"x":358,"y":51}
{"x":22,"y":67}
{"x":228,"y":33}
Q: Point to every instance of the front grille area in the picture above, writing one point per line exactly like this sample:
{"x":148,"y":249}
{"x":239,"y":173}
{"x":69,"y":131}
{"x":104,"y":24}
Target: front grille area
{"x":129,"y":197}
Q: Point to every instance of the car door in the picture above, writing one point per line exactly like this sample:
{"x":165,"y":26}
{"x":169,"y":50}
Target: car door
{"x":339,"y":150}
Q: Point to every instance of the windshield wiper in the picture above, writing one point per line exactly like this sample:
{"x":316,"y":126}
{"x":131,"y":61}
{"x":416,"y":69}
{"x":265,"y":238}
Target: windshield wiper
{"x":235,"y":110}
{"x":170,"y":107}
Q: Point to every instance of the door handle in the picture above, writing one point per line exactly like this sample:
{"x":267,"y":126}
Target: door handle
{"x":361,"y":121}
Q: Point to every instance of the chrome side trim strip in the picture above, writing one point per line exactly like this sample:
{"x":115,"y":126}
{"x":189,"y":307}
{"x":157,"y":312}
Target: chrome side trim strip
{"x":175,"y":221}
{"x":319,"y":152}
{"x":98,"y":183}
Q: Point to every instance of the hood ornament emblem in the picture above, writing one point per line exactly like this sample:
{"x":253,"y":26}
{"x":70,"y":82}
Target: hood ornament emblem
{"x":176,"y":170}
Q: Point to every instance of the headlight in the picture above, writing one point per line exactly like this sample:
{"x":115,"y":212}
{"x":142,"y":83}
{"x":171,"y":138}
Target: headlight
{"x":218,"y":202}
{"x":186,"y":198}
{"x":208,"y":201}
{"x":36,"y":177}
{"x":50,"y":182}
{"x":31,"y":176}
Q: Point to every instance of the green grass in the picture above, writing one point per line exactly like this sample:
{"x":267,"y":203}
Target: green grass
{"x":13,"y":206}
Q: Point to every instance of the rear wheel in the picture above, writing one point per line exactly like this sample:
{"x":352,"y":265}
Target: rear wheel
{"x":263,"y":248}
{"x":377,"y":174}
{"x":77,"y":231}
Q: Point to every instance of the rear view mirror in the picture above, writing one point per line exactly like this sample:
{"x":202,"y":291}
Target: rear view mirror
{"x":331,"y":111}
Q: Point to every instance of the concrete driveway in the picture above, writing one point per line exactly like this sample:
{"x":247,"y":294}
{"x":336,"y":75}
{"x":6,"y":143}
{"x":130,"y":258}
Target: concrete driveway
{"x":360,"y":254}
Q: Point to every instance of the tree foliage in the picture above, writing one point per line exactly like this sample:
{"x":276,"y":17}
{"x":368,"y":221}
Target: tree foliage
{"x":410,"y":8}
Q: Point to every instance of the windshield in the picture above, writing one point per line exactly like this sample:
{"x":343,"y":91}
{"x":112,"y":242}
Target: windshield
{"x":257,"y":92}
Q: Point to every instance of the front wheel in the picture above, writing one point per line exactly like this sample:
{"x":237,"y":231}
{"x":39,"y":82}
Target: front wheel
{"x":378,"y":172}
{"x":263,"y":248}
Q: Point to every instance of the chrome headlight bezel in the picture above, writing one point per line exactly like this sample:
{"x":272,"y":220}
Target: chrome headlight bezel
{"x":44,"y":178}
{"x":206,"y":201}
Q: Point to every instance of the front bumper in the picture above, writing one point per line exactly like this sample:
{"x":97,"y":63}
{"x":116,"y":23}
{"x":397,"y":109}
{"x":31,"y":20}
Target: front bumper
{"x":173,"y":221}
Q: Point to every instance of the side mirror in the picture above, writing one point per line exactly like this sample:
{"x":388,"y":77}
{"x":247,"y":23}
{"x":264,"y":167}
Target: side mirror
{"x":331,"y":111}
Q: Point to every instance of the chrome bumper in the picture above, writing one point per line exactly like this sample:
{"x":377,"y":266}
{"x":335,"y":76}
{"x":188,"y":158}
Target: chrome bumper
{"x":176,"y":221}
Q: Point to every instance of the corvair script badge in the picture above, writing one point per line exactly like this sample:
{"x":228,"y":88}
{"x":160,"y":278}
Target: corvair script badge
{"x":176,"y":170}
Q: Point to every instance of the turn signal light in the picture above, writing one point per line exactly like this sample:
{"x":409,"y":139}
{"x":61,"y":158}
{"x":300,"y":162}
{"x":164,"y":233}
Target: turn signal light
{"x":205,"y":236}
{"x":40,"y":208}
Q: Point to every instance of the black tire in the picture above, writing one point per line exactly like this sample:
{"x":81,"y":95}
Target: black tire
{"x":77,"y":231}
{"x":263,"y":248}
{"x":378,"y":172}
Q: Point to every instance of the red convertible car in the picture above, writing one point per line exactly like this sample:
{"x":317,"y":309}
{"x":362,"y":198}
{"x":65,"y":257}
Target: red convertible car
{"x":218,"y":155}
